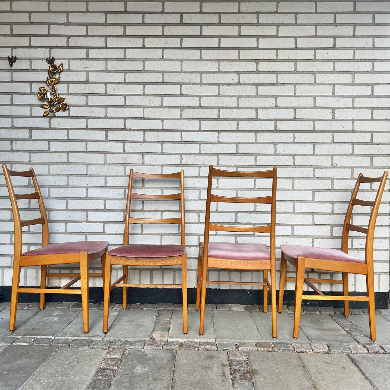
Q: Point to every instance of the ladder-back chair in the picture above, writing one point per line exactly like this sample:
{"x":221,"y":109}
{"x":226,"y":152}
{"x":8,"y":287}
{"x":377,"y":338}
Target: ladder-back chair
{"x":152,"y":255}
{"x":239,"y":256}
{"x":82,"y":252}
{"x":334,"y":260}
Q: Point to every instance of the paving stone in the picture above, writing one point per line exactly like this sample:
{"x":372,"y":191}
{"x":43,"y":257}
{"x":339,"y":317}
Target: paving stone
{"x":207,"y":346}
{"x":22,"y":316}
{"x":133,"y":325}
{"x":112,"y":363}
{"x":382,"y":327}
{"x":237,"y":307}
{"x":99,"y":344}
{"x":154,"y":344}
{"x":100,"y":384}
{"x":176,"y":329}
{"x":310,"y":310}
{"x":326,"y":310}
{"x":24,"y":341}
{"x":47,"y":322}
{"x":252,"y":308}
{"x":375,"y":368}
{"x":149,"y":306}
{"x":104,"y":373}
{"x":278,"y":371}
{"x":243,"y":385}
{"x":280,"y":346}
{"x":323,"y":329}
{"x":172,"y":345}
{"x":135,"y":344}
{"x":373,"y":348}
{"x":118,"y":343}
{"x":115,"y":352}
{"x":69,"y":368}
{"x":357,"y":348}
{"x":235,"y":326}
{"x":7,"y":340}
{"x":336,"y":348}
{"x":189,"y":345}
{"x":264,"y":346}
{"x":19,"y":362}
{"x":285,"y":325}
{"x":226,"y":346}
{"x":334,"y":372}
{"x":75,"y":328}
{"x":247,"y":346}
{"x":62,"y":341}
{"x":145,"y":369}
{"x":79,"y":343}
{"x":301,"y":347}
{"x":201,"y":370}
{"x":161,"y":336}
{"x":135,"y":306}
{"x":386,"y":348}
{"x":223,"y":307}
{"x":165,"y":306}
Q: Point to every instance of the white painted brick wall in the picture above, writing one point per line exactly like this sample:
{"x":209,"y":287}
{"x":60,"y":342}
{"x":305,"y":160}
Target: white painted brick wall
{"x":160,"y":86}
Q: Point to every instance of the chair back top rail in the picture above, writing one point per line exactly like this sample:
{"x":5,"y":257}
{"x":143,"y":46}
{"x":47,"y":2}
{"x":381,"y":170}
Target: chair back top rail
{"x":222,"y":173}
{"x":157,"y":197}
{"x":232,"y":199}
{"x":250,"y":229}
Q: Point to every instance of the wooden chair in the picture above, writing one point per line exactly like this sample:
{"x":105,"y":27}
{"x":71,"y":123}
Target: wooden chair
{"x":304,"y":257}
{"x":238,"y":256}
{"x":49,"y":254}
{"x":136,"y":255}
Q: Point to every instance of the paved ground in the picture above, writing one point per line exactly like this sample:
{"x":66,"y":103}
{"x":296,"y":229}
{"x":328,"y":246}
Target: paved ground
{"x":146,"y":349}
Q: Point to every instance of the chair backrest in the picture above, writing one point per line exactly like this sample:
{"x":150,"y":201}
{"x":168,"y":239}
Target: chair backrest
{"x":269,"y":199}
{"x":369,"y":230}
{"x":36,"y":195}
{"x":131,"y":196}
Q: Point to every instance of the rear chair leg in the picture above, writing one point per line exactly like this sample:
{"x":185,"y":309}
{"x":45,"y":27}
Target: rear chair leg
{"x":106,"y":287}
{"x":14,"y":296}
{"x":265,"y":291}
{"x":126,"y":276}
{"x":184,"y":289}
{"x":84,"y":279}
{"x":300,"y":275}
{"x":282,"y":282}
{"x":43,"y":285}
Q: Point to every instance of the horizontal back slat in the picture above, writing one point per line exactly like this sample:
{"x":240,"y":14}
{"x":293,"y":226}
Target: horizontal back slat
{"x":359,"y":202}
{"x":140,"y":175}
{"x":155,"y":220}
{"x":33,"y":195}
{"x":155,"y":196}
{"x":37,"y":221}
{"x":21,"y":173}
{"x":221,"y":173}
{"x":250,"y":229}
{"x":364,"y":179}
{"x":218,"y":198}
{"x":356,"y":228}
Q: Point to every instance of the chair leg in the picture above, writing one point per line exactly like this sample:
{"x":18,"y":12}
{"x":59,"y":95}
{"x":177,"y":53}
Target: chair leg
{"x":345,"y":293}
{"x":14,"y":295}
{"x":198,"y":281}
{"x":203,"y":297}
{"x":265,"y":291}
{"x":282,"y":282}
{"x":126,"y":275}
{"x":184,"y":288}
{"x":371,"y":304}
{"x":300,"y":275}
{"x":273,"y":302}
{"x":84,"y":280}
{"x":106,"y":287}
{"x":43,"y":285}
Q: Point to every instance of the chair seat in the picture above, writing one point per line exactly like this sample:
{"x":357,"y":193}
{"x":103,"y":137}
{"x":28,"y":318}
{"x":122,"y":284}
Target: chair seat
{"x":296,"y":251}
{"x":237,"y":251}
{"x":138,"y":250}
{"x":69,"y":247}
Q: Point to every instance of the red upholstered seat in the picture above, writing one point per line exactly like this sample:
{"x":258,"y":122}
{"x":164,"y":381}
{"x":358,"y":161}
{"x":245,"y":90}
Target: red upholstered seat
{"x":296,"y":251}
{"x":69,"y":247}
{"x":138,"y":250}
{"x":237,"y":251}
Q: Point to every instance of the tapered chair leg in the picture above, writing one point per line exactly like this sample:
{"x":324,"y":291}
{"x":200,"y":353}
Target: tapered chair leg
{"x":371,"y":304}
{"x":184,"y":289}
{"x":265,"y":291}
{"x":43,"y":285}
{"x":203,"y":298}
{"x":14,"y":295}
{"x":300,"y":275}
{"x":198,"y":282}
{"x":282,"y":282}
{"x":345,"y":293}
{"x":125,"y":279}
{"x":106,"y":287}
{"x":273,"y":302}
{"x":84,"y":280}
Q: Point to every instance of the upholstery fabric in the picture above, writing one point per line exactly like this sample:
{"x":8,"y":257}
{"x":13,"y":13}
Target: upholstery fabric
{"x":237,"y":251}
{"x":138,"y":250}
{"x":69,"y":247}
{"x":317,"y":253}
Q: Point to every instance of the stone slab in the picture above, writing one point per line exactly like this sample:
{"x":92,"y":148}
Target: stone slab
{"x":176,"y":329}
{"x":235,"y":326}
{"x":202,"y":370}
{"x":382,"y":327}
{"x":278,"y":371}
{"x":334,"y":372}
{"x":376,"y":368}
{"x":75,"y":328}
{"x":68,"y":368}
{"x":47,"y":323}
{"x":145,"y":369}
{"x":19,"y":362}
{"x":22,"y":316}
{"x":322,"y":329}
{"x":133,"y":325}
{"x":285,"y":324}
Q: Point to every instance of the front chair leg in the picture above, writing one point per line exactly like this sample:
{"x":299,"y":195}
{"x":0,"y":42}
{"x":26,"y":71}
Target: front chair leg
{"x":345,"y":293}
{"x":43,"y":285}
{"x":300,"y":276}
{"x":265,"y":291}
{"x":14,"y":295}
{"x":198,"y":281}
{"x":106,"y":288}
{"x":282,"y":282}
{"x":184,"y":289}
{"x":84,"y":279}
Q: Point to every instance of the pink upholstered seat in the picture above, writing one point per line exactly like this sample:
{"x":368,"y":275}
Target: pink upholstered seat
{"x":136,"y":250}
{"x":69,"y":247}
{"x":237,"y":251}
{"x":296,"y":251}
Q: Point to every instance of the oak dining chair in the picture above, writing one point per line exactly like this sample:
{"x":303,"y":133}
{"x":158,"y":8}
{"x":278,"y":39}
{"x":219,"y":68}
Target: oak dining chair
{"x":216,"y":253}
{"x":81,"y":252}
{"x":305,"y":258}
{"x":133,"y":254}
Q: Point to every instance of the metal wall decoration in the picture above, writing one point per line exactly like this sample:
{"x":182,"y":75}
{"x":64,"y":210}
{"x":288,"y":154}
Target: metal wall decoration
{"x":55,"y":102}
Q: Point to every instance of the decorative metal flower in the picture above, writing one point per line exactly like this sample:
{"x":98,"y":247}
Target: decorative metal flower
{"x":55,"y":102}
